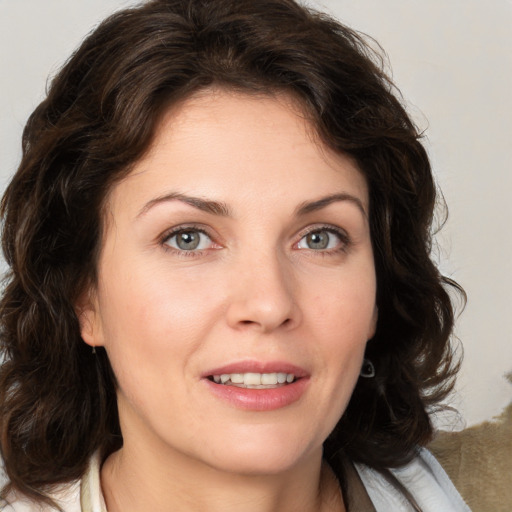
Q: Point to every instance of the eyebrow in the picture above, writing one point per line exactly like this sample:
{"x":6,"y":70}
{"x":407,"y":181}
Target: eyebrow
{"x":313,"y":206}
{"x":205,"y":205}
{"x":223,"y":210}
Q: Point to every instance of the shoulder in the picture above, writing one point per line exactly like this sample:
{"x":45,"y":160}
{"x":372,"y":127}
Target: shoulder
{"x":81,"y":495}
{"x":423,"y":478}
{"x":67,"y":498}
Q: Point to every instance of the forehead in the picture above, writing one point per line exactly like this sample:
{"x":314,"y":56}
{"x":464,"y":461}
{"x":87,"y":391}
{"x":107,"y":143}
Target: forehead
{"x":240,"y":146}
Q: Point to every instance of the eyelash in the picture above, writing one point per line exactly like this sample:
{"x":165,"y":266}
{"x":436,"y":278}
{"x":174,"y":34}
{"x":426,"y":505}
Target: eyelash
{"x":164,"y":239}
{"x":345,"y":241}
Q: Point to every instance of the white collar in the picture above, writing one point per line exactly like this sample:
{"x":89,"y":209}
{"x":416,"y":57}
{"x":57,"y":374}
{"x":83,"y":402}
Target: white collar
{"x":91,"y":497}
{"x":423,"y":477}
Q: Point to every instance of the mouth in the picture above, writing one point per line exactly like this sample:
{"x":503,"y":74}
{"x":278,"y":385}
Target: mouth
{"x":252,"y":380}
{"x":256,"y":385}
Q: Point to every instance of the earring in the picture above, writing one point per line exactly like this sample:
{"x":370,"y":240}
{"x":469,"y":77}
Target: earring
{"x":367,"y":370}
{"x":94,"y":349}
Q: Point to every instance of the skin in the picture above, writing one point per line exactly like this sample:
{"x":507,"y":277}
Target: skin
{"x":256,"y":289}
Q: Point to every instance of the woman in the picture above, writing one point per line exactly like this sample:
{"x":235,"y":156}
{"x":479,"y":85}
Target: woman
{"x":221,"y":293}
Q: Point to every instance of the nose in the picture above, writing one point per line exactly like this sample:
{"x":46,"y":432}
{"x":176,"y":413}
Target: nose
{"x":263,"y":296}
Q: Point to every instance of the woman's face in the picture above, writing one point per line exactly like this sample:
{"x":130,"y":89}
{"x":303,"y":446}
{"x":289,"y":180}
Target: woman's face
{"x":236,"y":256}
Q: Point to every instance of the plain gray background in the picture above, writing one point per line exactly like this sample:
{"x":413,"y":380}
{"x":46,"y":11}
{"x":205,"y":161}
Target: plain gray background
{"x":452,"y":61}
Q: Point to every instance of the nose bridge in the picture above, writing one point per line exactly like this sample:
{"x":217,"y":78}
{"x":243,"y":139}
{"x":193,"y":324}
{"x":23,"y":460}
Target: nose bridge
{"x":263,"y":291}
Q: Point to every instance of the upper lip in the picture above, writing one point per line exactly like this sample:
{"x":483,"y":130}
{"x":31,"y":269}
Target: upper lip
{"x":257,"y":367}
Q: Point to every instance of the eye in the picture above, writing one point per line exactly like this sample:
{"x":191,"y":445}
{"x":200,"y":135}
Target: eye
{"x":189,"y":240}
{"x":322,"y":240}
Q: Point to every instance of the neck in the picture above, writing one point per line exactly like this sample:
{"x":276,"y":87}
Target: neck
{"x":135,"y":479}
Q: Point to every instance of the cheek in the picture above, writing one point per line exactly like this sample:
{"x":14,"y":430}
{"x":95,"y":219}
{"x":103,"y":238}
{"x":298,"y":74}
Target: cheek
{"x":343,"y":319}
{"x":346,"y":308}
{"x":154,"y":315}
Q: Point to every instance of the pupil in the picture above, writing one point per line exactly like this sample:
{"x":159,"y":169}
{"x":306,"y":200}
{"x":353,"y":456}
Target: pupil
{"x":318,"y":240}
{"x":188,"y":240}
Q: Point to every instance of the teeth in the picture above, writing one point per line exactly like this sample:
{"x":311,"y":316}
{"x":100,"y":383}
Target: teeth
{"x":251,"y":379}
{"x":269,"y":378}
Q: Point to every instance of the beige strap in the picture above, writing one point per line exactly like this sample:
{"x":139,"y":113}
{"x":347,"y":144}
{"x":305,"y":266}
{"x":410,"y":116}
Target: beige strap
{"x":357,"y":497}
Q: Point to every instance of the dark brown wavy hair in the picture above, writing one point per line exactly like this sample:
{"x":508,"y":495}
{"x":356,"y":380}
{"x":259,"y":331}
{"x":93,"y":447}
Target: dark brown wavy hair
{"x":57,"y":400}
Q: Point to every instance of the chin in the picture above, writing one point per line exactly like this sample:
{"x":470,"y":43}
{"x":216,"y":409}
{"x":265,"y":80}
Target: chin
{"x":266,"y":452}
{"x":259,"y":464}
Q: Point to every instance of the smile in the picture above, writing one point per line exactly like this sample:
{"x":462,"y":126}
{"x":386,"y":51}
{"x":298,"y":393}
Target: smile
{"x":253,"y":380}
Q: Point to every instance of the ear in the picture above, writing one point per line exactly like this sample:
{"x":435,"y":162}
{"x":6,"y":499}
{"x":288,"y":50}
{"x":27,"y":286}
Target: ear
{"x":89,"y":320}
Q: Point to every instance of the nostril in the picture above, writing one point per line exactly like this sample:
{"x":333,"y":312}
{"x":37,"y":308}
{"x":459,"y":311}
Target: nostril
{"x":287,"y":321}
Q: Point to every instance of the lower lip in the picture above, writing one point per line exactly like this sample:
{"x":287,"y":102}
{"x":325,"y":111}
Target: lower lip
{"x":260,"y":399}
